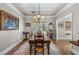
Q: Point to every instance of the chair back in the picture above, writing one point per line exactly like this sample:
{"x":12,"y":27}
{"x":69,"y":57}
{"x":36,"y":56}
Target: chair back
{"x":39,"y":37}
{"x":39,"y":40}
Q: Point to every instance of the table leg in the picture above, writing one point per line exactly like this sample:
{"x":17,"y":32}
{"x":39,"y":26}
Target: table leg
{"x":30,"y":49}
{"x":48,"y":47}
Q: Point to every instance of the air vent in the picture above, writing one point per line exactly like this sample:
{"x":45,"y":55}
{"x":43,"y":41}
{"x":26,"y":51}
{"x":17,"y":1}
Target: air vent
{"x":33,"y":12}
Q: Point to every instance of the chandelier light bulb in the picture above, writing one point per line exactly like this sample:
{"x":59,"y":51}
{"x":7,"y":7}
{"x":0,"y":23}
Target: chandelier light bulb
{"x":42,"y":17}
{"x":34,"y":17}
{"x":38,"y":16}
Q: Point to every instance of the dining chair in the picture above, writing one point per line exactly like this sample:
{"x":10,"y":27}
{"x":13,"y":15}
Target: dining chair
{"x":39,"y":44}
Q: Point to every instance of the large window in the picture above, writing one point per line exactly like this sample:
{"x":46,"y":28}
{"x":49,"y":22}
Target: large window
{"x":38,"y":26}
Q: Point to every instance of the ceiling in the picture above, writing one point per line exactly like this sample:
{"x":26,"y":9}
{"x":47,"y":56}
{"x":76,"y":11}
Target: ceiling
{"x":29,"y":9}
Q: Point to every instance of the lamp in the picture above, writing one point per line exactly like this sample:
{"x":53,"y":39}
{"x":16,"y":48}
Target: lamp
{"x":38,"y":17}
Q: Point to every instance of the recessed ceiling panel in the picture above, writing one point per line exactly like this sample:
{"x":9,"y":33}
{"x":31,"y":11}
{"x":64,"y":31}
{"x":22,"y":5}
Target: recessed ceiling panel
{"x":44,"y":8}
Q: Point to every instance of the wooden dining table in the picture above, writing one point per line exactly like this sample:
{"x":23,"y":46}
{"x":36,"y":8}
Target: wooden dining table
{"x":46,"y":42}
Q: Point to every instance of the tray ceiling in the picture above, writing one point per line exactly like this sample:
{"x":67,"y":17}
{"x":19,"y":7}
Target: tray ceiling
{"x":45,"y":8}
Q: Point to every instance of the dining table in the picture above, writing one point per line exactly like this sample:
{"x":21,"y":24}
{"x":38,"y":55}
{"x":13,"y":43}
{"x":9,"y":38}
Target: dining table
{"x":46,"y":42}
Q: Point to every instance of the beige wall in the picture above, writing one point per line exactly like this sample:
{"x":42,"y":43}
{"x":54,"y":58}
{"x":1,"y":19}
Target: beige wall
{"x":8,"y":38}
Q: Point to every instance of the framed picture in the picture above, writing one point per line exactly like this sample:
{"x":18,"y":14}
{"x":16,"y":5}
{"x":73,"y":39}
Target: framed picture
{"x":68,"y":25}
{"x":60,"y":24}
{"x":27,"y":24}
{"x":10,"y":23}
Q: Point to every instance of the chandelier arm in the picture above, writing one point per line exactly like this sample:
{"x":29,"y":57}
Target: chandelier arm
{"x":38,"y":17}
{"x":39,"y":8}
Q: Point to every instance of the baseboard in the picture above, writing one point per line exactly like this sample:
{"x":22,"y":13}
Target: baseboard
{"x":9,"y":48}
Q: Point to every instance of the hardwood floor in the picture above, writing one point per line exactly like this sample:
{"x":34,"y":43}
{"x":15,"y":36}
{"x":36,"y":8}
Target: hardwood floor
{"x":64,"y":46}
{"x":61,"y":47}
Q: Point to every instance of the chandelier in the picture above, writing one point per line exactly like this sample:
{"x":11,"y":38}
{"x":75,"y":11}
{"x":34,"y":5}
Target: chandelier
{"x":38,"y":17}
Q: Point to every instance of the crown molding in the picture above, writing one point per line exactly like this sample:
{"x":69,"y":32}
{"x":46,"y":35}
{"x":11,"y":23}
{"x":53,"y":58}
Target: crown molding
{"x":65,"y":8}
{"x":14,"y":8}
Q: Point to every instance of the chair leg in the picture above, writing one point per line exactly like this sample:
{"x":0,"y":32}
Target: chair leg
{"x":34,"y":51}
{"x":43,"y":51}
{"x":30,"y":49}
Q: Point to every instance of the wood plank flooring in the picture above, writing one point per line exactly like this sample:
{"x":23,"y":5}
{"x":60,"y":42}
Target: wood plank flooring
{"x":64,"y":46}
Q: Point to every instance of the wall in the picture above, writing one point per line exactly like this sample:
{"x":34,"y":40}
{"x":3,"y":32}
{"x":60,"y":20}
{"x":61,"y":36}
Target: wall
{"x":10,"y":37}
{"x":48,"y":19}
{"x":75,"y":16}
{"x":75,"y":19}
{"x":61,"y":31}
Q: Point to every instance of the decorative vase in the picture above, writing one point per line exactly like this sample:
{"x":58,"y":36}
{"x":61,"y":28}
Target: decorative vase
{"x":77,"y":41}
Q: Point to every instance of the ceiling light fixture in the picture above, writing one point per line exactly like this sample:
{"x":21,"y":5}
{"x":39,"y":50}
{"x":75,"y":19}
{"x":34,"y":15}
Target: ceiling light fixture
{"x":38,"y":17}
